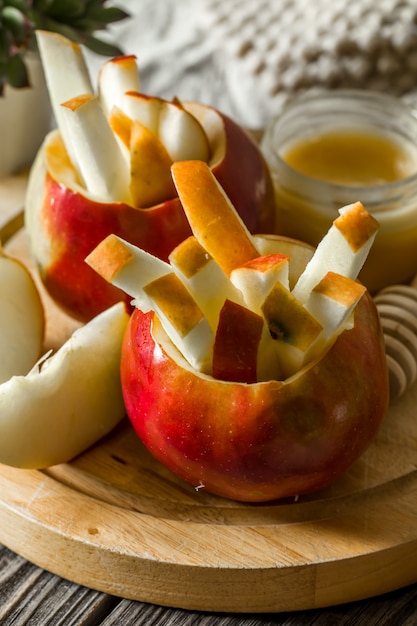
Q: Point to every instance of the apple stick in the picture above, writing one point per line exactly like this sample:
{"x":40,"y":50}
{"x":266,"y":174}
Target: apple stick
{"x":97,"y":152}
{"x":116,"y":77}
{"x":69,"y":402}
{"x":150,"y":168}
{"x":203,"y":277}
{"x":128,"y":267}
{"x":256,"y":278}
{"x":243,"y":349}
{"x":342,"y":250}
{"x":66,"y":76}
{"x":143,"y":108}
{"x":293,"y":328}
{"x":182,"y":134}
{"x":213,"y":219}
{"x":182,"y":320}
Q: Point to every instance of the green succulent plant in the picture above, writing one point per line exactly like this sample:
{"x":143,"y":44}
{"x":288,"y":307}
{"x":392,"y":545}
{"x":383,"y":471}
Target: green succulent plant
{"x":78,"y":20}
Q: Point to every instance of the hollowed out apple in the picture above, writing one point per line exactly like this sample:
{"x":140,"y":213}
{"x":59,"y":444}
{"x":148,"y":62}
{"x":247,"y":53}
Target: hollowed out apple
{"x":65,"y":223}
{"x":261,"y":441}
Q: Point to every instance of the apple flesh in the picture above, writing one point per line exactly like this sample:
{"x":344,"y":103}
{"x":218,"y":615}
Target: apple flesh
{"x":265,"y":440}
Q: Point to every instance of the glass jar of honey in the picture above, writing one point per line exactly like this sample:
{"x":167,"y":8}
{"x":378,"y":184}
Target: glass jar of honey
{"x":329,"y":149}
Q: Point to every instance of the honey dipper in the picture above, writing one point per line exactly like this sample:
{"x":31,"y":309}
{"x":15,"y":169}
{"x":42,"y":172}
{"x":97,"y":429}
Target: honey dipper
{"x":397,"y":307}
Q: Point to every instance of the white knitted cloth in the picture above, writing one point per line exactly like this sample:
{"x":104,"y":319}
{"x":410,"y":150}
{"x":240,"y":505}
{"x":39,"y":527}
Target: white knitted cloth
{"x":272,"y":49}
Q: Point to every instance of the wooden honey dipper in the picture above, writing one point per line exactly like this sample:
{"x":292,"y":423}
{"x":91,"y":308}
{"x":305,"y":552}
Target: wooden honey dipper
{"x":397,"y":307}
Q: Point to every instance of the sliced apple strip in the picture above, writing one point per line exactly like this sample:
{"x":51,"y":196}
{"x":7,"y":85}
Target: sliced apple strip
{"x":66,"y":76}
{"x":182,"y":320}
{"x":203,"y":277}
{"x":68,"y":402}
{"x":150,"y":168}
{"x":21,"y":319}
{"x":98,"y":154}
{"x":182,"y":134}
{"x":128,"y":267}
{"x":116,"y":77}
{"x":293,"y":328}
{"x":342,"y":250}
{"x":213,"y":219}
{"x":243,"y":347}
{"x":143,"y":108}
{"x":256,"y":277}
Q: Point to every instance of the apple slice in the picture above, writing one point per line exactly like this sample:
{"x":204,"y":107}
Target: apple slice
{"x":203,"y":277}
{"x":128,"y":267}
{"x":331,"y":302}
{"x":182,"y":320}
{"x":143,"y":108}
{"x":342,"y":250}
{"x":243,"y":349}
{"x":182,"y":134}
{"x":66,"y":76}
{"x":293,"y":328}
{"x":69,"y":401}
{"x":115,"y":78}
{"x":213,"y":219}
{"x":97,"y":152}
{"x":150,"y":168}
{"x":22,"y":321}
{"x":256,"y":277}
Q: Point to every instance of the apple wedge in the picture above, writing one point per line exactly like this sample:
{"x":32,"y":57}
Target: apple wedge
{"x":67,"y":402}
{"x":143,"y":108}
{"x":204,"y":278}
{"x":22,"y":319}
{"x":342,"y":250}
{"x":97,"y":152}
{"x":115,"y":78}
{"x":243,"y":349}
{"x":66,"y":76}
{"x":256,"y":277}
{"x":182,"y":134}
{"x":213,"y":219}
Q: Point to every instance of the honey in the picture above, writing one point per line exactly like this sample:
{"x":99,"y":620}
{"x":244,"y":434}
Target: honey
{"x":356,"y":158}
{"x":331,"y":149}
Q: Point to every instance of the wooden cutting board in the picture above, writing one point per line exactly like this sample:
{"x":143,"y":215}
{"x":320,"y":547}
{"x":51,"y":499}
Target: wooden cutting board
{"x":115,"y":520}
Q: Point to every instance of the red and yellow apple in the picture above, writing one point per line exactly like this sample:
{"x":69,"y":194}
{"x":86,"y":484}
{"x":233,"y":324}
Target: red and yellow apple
{"x":269,"y":401}
{"x":79,"y":189}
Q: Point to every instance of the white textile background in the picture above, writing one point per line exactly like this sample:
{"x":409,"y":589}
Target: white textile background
{"x":248,"y":57}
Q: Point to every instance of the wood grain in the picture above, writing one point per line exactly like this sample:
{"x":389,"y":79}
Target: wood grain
{"x":115,"y":520}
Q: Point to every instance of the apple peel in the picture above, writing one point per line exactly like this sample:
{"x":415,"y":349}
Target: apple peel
{"x":69,"y":400}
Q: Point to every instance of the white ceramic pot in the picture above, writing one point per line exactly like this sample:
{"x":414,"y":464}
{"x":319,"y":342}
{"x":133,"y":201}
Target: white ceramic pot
{"x":25,"y":118}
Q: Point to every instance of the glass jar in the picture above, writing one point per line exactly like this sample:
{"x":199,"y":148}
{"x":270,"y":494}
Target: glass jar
{"x":306,"y":205}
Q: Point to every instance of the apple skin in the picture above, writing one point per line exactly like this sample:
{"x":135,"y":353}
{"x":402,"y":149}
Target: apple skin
{"x":70,"y":224}
{"x":262,"y":441}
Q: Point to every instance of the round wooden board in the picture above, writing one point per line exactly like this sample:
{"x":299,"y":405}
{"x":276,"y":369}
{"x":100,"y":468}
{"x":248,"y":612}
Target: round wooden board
{"x":115,"y":520}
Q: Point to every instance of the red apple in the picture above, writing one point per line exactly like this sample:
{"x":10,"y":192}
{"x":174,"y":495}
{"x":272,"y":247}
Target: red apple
{"x":265,"y":440}
{"x":65,"y":223}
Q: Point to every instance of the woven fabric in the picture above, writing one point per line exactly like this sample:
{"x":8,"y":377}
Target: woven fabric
{"x":270,"y":50}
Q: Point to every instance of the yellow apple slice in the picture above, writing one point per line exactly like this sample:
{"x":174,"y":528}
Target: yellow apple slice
{"x":256,"y":277}
{"x":182,"y":320}
{"x":203,"y":277}
{"x":128,"y":267}
{"x":69,"y":401}
{"x":22,"y":321}
{"x":293,"y":328}
{"x":213,"y":219}
{"x":150,"y":168}
{"x":97,"y":151}
{"x":66,"y":76}
{"x":115,"y":78}
{"x":342,"y":250}
{"x":182,"y":134}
